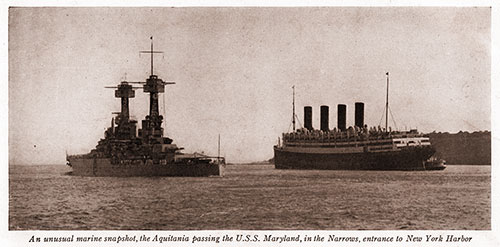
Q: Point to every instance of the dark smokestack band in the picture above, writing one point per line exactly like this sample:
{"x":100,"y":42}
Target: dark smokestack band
{"x":341,"y":113}
{"x":359,"y":114}
{"x":324,"y":118}
{"x":308,"y":117}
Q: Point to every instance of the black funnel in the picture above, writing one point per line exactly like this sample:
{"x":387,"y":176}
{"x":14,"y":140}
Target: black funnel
{"x":308,"y":117}
{"x":359,"y":114}
{"x":324,"y":118}
{"x":341,"y":113}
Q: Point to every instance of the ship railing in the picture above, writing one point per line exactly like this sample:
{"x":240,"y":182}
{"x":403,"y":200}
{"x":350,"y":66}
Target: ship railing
{"x":217,"y":159}
{"x":340,"y":143}
{"x":334,"y":139}
{"x":213,"y":159}
{"x":352,"y":134}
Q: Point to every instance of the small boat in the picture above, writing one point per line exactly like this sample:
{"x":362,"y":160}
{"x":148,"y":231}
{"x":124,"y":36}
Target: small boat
{"x":434,"y":164}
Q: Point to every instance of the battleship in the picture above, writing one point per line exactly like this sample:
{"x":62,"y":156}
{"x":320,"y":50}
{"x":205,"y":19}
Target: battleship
{"x":125,"y":151}
{"x":357,"y":147}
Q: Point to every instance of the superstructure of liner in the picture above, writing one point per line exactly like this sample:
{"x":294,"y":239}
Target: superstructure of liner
{"x":357,"y":147}
{"x":125,"y":151}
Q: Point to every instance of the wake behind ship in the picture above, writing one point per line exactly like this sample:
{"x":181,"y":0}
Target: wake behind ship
{"x":354,"y":148}
{"x":126,"y":152}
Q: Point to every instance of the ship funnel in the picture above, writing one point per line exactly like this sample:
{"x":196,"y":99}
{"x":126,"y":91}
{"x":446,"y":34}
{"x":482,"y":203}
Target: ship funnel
{"x":359,"y":114}
{"x":308,"y":117}
{"x":324,"y":118}
{"x":341,"y":113}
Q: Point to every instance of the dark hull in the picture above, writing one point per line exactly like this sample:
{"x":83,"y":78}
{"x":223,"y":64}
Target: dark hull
{"x":407,"y":159}
{"x":103,"y":167}
{"x":440,"y":168}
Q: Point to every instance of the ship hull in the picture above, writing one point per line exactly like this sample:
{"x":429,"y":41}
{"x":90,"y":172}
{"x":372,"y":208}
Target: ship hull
{"x":103,"y":167}
{"x":410,"y":159}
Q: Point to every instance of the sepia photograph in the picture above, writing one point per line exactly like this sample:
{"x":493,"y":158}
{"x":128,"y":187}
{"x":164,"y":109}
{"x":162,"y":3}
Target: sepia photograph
{"x":250,"y":118}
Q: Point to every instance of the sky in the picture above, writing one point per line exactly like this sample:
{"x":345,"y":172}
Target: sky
{"x":234,"y":70}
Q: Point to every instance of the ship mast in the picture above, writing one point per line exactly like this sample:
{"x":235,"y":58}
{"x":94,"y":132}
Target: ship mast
{"x":152,"y":55}
{"x":154,"y":86}
{"x":387,"y":102}
{"x":293,"y":106}
{"x":151,"y":52}
{"x":125,"y":126}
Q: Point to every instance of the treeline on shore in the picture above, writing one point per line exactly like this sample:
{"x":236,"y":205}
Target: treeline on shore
{"x":463,"y":147}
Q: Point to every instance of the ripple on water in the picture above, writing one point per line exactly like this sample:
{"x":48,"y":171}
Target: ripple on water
{"x":252,"y":197}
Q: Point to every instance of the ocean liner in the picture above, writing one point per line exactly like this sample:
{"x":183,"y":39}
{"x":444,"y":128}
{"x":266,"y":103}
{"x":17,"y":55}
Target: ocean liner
{"x":125,"y":151}
{"x":354,"y":148}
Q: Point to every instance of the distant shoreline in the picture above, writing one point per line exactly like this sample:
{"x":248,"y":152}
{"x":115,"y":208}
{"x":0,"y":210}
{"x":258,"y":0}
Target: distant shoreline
{"x":463,"y":147}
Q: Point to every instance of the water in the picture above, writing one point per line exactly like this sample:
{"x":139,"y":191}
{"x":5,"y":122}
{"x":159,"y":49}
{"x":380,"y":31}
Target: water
{"x":252,"y":197}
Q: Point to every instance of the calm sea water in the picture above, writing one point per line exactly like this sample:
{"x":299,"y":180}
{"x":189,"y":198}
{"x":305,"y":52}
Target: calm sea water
{"x":252,"y":197}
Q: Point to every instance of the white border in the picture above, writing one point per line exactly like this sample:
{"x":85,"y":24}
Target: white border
{"x":481,"y":238}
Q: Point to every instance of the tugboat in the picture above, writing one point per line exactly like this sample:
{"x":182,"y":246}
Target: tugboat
{"x":434,"y":163}
{"x":124,"y":153}
{"x":355,"y":148}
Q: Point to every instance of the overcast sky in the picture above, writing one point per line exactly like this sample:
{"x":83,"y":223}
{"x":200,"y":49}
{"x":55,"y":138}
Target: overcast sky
{"x":234,"y":69}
